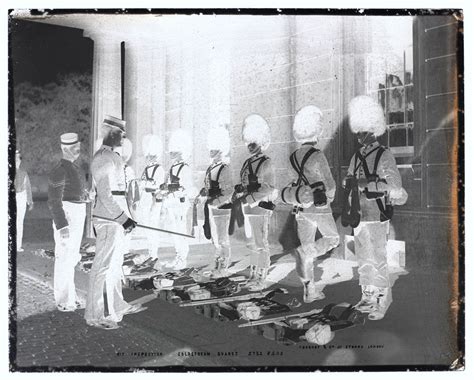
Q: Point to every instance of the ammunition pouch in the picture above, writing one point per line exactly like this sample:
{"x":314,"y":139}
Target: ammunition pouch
{"x":267,"y":205}
{"x":214,"y":192}
{"x":239,"y":188}
{"x":173,"y":187}
{"x":319,"y":194}
{"x":253,"y":185}
{"x":226,"y":206}
{"x":374,"y":194}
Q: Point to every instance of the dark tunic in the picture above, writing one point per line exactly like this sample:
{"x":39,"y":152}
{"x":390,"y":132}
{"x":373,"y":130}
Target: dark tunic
{"x":66,"y":183}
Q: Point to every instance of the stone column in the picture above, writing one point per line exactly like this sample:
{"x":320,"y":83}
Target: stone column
{"x":106,"y":89}
{"x":144,"y":95}
{"x":106,"y":79}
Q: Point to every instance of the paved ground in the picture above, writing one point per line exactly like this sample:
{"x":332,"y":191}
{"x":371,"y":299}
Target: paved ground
{"x":52,"y":339}
{"x":417,"y":330}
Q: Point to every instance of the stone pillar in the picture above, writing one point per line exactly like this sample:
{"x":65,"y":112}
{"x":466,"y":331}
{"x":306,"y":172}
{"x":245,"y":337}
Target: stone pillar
{"x":106,"y":79}
{"x":144,"y":95}
{"x":106,"y":89}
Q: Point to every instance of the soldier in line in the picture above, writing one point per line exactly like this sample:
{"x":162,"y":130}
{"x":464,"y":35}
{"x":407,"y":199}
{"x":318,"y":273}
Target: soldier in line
{"x":217,"y":192}
{"x":24,"y":199}
{"x":111,"y":222}
{"x":176,"y":192}
{"x":311,"y":194}
{"x":67,"y":197}
{"x":150,"y":205}
{"x":257,"y":193}
{"x":380,"y":186}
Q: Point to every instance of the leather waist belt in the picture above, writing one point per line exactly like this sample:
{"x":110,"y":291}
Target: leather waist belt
{"x":118,"y":192}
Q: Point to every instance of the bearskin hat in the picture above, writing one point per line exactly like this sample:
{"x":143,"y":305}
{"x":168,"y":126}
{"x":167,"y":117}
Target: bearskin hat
{"x":307,"y":125}
{"x":218,"y":139}
{"x":151,"y":145}
{"x":366,"y":115}
{"x":256,"y":130}
{"x":180,"y":141}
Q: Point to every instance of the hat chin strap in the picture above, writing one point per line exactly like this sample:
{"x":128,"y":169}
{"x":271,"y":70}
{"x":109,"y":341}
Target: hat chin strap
{"x":370,"y":136}
{"x":68,"y":155}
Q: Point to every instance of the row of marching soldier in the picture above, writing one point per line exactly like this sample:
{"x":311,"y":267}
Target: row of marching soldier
{"x":373,"y":185}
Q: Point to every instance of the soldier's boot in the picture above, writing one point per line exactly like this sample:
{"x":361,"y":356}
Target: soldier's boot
{"x":220,"y":268}
{"x":260,"y":281}
{"x":252,"y":280}
{"x":383,"y":302}
{"x":312,"y":292}
{"x":252,"y":274}
{"x":368,"y":302}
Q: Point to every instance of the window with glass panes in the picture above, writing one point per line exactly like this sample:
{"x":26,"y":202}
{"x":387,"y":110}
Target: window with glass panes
{"x":390,"y":80}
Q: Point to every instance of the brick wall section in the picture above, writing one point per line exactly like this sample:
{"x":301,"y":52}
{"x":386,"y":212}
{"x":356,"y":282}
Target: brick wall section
{"x":275,"y":66}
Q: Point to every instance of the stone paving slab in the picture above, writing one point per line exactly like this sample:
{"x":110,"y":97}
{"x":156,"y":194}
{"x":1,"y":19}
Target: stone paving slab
{"x":52,"y":340}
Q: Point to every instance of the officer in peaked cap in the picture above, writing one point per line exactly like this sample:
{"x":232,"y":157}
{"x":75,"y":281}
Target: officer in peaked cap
{"x":111,"y":222}
{"x":67,"y":197}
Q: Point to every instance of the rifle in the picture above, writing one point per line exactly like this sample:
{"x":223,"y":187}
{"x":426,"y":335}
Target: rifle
{"x":280,"y":318}
{"x":147,"y":227}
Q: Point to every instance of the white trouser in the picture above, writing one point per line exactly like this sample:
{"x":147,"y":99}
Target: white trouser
{"x":308,"y":225}
{"x":370,"y":239}
{"x":220,"y":236}
{"x":21,"y":198}
{"x":153,"y":219}
{"x":106,"y":274}
{"x":67,"y":254}
{"x":175,"y":215}
{"x":259,"y":225}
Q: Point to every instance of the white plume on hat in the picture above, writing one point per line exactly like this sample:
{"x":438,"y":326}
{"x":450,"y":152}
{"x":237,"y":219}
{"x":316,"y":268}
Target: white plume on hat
{"x":218,"y":139}
{"x":307,"y":125}
{"x":180,"y":141}
{"x":151,"y":145}
{"x":366,"y":115}
{"x":256,"y":130}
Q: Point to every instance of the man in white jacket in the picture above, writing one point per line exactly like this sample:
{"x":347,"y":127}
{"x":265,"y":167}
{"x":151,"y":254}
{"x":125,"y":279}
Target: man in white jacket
{"x":150,"y":205}
{"x":257,"y":193}
{"x":217,"y":192}
{"x":111,"y":222}
{"x":176,"y":193}
{"x":379,"y":183}
{"x":311,"y":194}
